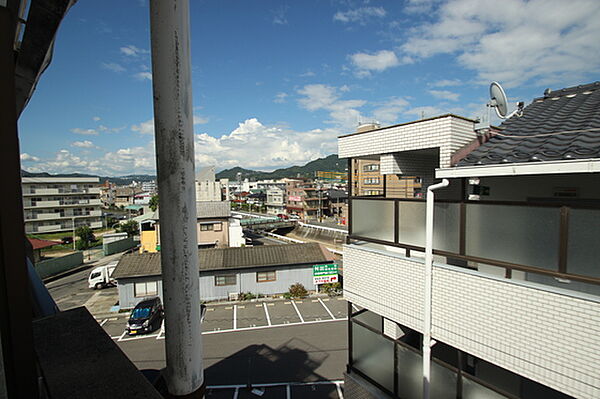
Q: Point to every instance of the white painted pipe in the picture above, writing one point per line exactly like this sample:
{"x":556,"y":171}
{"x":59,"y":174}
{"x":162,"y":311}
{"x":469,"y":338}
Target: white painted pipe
{"x":427,"y":342}
{"x":173,"y":126}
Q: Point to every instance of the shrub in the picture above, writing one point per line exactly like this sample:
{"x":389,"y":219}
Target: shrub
{"x":297,"y":291}
{"x":332,"y":289}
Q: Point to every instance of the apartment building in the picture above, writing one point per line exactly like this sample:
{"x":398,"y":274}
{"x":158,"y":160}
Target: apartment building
{"x":53,"y":204}
{"x":275,"y":200}
{"x":368,"y":180}
{"x":514,"y":305}
{"x":306,"y":200}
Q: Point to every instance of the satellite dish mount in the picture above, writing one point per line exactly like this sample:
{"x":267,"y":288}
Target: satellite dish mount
{"x":499,"y":102}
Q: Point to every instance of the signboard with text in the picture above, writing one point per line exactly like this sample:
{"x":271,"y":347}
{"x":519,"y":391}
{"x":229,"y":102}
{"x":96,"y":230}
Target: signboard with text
{"x":295,"y":198}
{"x":325,"y":274}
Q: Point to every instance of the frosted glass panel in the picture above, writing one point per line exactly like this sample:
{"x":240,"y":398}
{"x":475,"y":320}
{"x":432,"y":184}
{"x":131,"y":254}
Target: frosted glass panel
{"x":411,"y":223}
{"x":373,"y":219}
{"x":446,"y":224}
{"x":410,"y":377}
{"x":584,"y":242}
{"x":373,"y":355}
{"x":472,"y":390}
{"x":517,"y":234}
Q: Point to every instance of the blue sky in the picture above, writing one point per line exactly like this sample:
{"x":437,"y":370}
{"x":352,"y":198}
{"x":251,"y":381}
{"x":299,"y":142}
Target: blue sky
{"x":275,"y":82}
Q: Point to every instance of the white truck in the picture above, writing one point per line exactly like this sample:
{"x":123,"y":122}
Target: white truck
{"x":100,"y":277}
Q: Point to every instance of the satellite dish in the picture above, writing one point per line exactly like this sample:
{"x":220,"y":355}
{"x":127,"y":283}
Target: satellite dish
{"x":498,"y":100}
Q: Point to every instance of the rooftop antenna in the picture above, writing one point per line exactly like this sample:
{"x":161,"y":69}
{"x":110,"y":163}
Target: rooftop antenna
{"x":499,"y":102}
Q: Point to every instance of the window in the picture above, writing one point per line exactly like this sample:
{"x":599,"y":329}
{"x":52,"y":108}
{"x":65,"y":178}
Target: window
{"x":371,"y":167}
{"x":145,"y":289}
{"x":225,"y":279}
{"x":206,"y":227}
{"x":218,"y":226}
{"x":372,"y":180}
{"x":262,"y":277}
{"x":371,"y":192}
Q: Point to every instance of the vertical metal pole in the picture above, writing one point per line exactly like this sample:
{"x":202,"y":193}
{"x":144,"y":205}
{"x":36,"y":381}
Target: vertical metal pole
{"x":427,"y":342}
{"x":172,"y":88}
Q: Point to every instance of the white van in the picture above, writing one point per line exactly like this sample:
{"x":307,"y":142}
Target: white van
{"x":100,"y":277}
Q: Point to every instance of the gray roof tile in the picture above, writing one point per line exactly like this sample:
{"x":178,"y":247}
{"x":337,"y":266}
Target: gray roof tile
{"x":573,"y":110}
{"x":148,"y":264}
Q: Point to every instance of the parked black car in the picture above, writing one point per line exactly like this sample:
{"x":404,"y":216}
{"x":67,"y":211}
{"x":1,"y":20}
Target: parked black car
{"x":147,"y":316}
{"x":67,"y":240}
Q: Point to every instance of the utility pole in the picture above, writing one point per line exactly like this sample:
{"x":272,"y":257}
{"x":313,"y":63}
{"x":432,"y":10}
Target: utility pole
{"x":174,"y":137}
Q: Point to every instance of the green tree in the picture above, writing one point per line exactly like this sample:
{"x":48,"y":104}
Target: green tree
{"x":86,"y":237}
{"x":131,"y":228}
{"x":298,"y":291}
{"x":154,"y":203}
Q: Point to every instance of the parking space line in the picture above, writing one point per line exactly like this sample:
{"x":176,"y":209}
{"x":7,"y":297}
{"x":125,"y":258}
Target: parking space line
{"x":122,"y":335}
{"x":288,"y":392}
{"x":297,"y":311}
{"x":327,"y":309}
{"x":103,"y":322}
{"x":236,"y":393}
{"x":138,"y":337}
{"x":235,"y":317}
{"x":267,"y":313}
{"x":272,"y":326}
{"x":270,"y":304}
{"x":276,"y":384}
{"x":339,"y":390}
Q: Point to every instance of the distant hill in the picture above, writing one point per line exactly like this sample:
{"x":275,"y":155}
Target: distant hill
{"x":327,"y":164}
{"x":119,"y":181}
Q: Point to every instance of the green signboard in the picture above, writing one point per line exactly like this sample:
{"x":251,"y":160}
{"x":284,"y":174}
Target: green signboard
{"x":326,"y":273}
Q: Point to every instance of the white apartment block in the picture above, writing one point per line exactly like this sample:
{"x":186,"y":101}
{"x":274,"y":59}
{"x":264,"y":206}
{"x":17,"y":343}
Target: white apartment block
{"x":275,"y":200}
{"x":515,"y":301}
{"x":53,"y":204}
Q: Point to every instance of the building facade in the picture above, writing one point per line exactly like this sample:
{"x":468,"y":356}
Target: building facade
{"x":53,"y":204}
{"x":515,"y":294}
{"x":275,"y":200}
{"x":306,"y":200}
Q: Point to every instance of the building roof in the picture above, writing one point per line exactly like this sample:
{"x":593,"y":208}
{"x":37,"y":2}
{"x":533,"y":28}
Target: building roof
{"x":561,"y":125}
{"x":208,"y":209}
{"x":36,"y":243}
{"x":148,"y":264}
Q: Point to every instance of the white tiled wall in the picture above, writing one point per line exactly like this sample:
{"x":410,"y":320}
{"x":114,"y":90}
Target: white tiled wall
{"x":549,"y":336}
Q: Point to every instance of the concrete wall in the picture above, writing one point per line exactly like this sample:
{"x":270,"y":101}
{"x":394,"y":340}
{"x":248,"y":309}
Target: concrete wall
{"x":51,"y":267}
{"x":117,"y":246}
{"x":543,"y":333}
{"x":245,"y":282}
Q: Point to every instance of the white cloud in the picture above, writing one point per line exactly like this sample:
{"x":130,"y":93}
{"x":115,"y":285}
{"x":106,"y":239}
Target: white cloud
{"x":25,"y":157}
{"x":113,"y":66}
{"x":424,"y":112}
{"x":446,"y":83}
{"x":280,"y":98}
{"x":132,"y":51}
{"x":103,"y":128}
{"x":388,"y":112}
{"x":279,"y":15}
{"x":143,"y":76}
{"x":96,"y":118}
{"x":85,"y":132}
{"x":146,"y":127}
{"x":270,"y":146}
{"x":360,"y":15}
{"x":379,"y":61}
{"x":199,"y":120}
{"x":83,"y":144}
{"x":445,"y":95}
{"x":543,"y":41}
{"x":343,"y":113}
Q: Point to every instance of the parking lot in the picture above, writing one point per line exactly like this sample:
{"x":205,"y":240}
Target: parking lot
{"x":321,"y":389}
{"x":244,"y":316}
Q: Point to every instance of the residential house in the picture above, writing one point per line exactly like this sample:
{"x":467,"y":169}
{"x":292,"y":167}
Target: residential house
{"x":125,"y":196}
{"x":305,"y":199}
{"x":226,"y":272}
{"x":53,"y":204}
{"x":216,"y":227}
{"x":515,"y":282}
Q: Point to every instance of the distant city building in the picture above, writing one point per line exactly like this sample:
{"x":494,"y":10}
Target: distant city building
{"x":150,"y":186}
{"x":275,"y":200}
{"x":207,"y":188}
{"x":125,"y":196}
{"x":305,"y":199}
{"x":53,"y":204}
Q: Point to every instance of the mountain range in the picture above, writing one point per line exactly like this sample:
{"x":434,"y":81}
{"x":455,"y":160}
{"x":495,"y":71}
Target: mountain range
{"x":330,"y":163}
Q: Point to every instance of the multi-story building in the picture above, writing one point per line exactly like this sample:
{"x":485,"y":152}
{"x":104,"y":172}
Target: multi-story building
{"x":53,"y":204}
{"x":511,"y":300}
{"x":207,"y":188}
{"x":305,"y":199}
{"x":124,"y":196}
{"x":150,"y":186}
{"x":367,"y":180}
{"x":275,"y":200}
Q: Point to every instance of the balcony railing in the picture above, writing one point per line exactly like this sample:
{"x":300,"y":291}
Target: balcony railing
{"x":548,"y":240}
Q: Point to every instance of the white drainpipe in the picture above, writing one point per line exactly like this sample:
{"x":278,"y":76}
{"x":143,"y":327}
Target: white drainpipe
{"x":173,"y":126}
{"x":427,"y":341}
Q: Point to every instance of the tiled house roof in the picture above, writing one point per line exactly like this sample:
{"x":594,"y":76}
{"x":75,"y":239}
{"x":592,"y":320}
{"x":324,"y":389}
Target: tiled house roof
{"x":148,"y":264}
{"x":562,"y":125}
